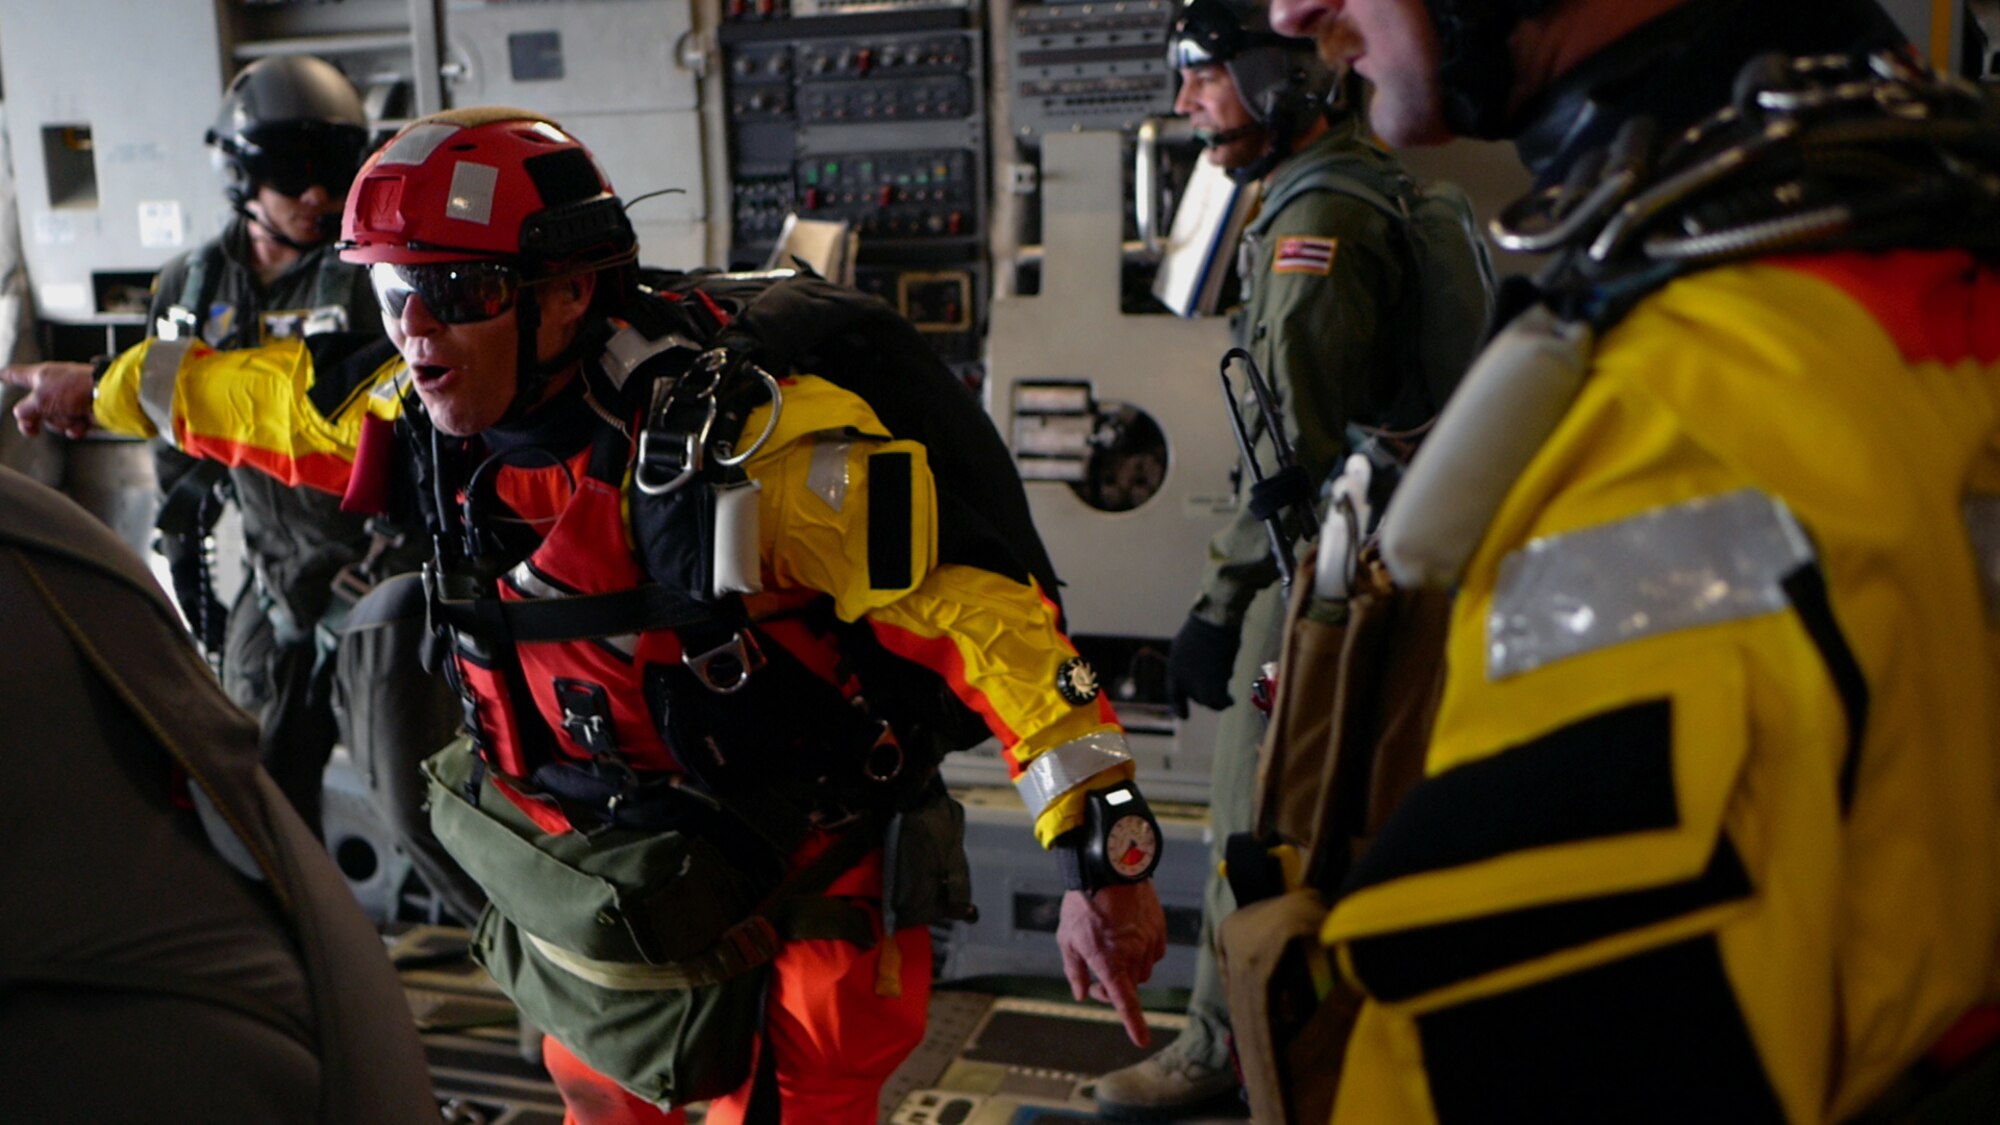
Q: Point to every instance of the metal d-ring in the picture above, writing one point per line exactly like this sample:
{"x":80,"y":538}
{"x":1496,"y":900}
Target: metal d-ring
{"x":770,"y":424}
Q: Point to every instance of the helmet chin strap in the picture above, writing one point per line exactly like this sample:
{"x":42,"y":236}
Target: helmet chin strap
{"x":532,"y":374}
{"x":1274,"y":149}
{"x":329,"y":225}
{"x":1230,"y":136}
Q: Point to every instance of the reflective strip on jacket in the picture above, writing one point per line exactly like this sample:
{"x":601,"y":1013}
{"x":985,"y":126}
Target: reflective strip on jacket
{"x":1711,"y":829}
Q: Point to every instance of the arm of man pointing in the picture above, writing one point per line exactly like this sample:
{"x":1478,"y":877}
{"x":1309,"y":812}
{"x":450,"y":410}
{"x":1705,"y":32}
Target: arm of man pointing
{"x":58,"y":400}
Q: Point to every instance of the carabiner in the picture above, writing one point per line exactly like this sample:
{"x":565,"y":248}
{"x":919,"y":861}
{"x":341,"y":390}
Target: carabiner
{"x":690,"y":456}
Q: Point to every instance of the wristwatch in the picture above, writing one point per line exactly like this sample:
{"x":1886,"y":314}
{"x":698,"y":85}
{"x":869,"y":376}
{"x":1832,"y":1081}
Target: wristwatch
{"x":1119,"y":841}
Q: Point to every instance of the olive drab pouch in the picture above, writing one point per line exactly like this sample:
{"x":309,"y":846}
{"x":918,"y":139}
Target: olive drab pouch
{"x":667,"y":1043}
{"x":1359,"y":682}
{"x":641,"y":951}
{"x":1289,"y":1010}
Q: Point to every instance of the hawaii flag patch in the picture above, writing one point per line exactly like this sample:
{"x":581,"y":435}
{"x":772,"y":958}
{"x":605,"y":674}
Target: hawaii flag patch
{"x":1305,"y":254}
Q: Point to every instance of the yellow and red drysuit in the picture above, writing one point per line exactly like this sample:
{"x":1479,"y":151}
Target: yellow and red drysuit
{"x":839,"y":1020}
{"x":1711,"y":823}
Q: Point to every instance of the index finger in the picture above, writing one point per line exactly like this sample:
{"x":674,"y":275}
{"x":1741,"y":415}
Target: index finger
{"x":1124,"y":998}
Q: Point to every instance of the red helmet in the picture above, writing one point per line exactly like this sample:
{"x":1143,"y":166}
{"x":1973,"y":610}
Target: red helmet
{"x":489,"y":183}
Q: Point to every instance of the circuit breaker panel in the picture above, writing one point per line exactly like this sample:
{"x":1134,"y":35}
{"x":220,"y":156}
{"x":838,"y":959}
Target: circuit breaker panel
{"x":1090,"y":65}
{"x":876,"y":118}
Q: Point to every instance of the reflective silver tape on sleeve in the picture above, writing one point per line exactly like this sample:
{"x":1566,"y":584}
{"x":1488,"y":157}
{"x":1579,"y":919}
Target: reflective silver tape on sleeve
{"x":158,"y":375}
{"x":1700,"y":563}
{"x":827,"y":479}
{"x":1982,"y":527}
{"x":1065,"y":767}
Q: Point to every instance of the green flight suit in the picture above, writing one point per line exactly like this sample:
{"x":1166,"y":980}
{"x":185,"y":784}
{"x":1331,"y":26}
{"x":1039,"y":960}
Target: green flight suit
{"x":1322,"y":272}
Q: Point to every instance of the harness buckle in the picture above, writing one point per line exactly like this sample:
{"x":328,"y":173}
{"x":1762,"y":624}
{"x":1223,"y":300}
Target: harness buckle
{"x":669,"y":459}
{"x":586,"y":716}
{"x":727,"y":667}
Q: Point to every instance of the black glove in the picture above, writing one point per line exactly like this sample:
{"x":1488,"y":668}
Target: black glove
{"x":1198,"y":666}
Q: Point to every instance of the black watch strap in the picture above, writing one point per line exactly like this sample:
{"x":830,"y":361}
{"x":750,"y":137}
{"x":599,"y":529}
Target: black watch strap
{"x":1069,"y":858}
{"x":98,"y":366}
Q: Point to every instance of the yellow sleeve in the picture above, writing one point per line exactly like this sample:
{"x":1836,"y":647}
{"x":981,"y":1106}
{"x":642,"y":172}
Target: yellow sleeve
{"x":250,"y":407}
{"x":852,"y":513}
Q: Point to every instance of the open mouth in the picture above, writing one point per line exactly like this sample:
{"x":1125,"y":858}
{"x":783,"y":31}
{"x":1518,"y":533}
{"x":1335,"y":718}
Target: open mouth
{"x":429,"y":374}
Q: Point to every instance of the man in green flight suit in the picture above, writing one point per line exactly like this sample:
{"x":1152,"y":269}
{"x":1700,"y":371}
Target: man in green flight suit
{"x":1325,"y":275}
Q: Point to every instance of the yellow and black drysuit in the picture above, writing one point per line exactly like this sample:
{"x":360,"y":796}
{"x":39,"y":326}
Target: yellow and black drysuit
{"x":1711,"y":829}
{"x":848,"y":530}
{"x":1710,"y":823}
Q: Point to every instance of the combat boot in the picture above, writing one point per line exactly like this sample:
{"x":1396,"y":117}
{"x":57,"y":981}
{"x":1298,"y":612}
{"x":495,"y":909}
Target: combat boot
{"x":1192,"y":1076}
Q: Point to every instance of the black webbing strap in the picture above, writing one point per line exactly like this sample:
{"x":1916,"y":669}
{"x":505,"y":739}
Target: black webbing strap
{"x":796,"y":909}
{"x":1807,"y":590}
{"x":1289,"y":487}
{"x":575,"y":618}
{"x":185,"y":509}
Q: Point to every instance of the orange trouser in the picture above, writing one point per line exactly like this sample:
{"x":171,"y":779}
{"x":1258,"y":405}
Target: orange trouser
{"x":835,"y":1037}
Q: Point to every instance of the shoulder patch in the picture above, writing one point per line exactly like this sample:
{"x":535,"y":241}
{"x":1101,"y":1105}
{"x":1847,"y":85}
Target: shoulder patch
{"x":1077,"y":681}
{"x":1302,"y":253}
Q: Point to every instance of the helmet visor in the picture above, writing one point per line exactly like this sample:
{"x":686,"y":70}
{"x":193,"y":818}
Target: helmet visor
{"x":1190,"y":51}
{"x":291,"y":160}
{"x":1206,"y":33}
{"x":453,"y":292}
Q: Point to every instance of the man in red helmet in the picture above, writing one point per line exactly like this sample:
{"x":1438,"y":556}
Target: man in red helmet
{"x":713,"y":629}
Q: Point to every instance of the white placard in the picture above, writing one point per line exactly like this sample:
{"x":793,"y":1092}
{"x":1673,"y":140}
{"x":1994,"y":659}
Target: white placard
{"x":55,"y":228}
{"x":65,"y":296}
{"x":160,"y":223}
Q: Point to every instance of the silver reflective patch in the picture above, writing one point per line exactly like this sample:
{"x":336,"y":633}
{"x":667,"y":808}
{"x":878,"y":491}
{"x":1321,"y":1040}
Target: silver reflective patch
{"x":472,"y":192}
{"x":1982,"y":527}
{"x":1699,"y":563}
{"x":158,"y":376}
{"x":1062,"y":768}
{"x":223,"y":838}
{"x":828,"y":477}
{"x":415,"y":144}
{"x":530,"y":582}
{"x":391,"y":389}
